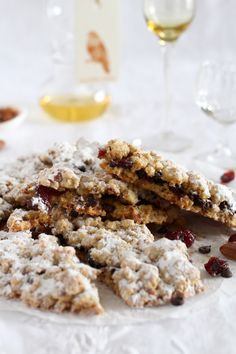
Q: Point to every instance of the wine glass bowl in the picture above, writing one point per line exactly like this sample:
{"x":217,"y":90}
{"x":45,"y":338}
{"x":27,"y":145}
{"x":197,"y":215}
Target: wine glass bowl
{"x":215,"y":96}
{"x":216,"y":91}
{"x":169,"y":18}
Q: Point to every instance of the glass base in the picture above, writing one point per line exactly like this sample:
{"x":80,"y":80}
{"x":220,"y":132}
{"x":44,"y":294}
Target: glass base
{"x":221,"y":156}
{"x":167,"y":142}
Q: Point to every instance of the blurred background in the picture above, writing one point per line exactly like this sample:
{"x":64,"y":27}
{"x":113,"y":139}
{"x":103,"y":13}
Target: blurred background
{"x":25,"y":64}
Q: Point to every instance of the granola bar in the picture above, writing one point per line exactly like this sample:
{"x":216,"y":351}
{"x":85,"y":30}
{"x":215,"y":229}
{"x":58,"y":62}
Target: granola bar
{"x":44,"y":275}
{"x":186,"y":189}
{"x":64,"y":163}
{"x":143,"y":272}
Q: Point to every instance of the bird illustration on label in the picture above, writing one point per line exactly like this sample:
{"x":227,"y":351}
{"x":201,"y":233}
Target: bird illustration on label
{"x":98,"y":51}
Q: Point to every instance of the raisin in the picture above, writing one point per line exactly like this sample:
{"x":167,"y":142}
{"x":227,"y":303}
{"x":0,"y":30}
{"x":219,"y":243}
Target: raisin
{"x":74,"y":214}
{"x":226,"y":273}
{"x":141,"y":174}
{"x":126,"y":163}
{"x":82,"y":168}
{"x":177,"y":300}
{"x":177,"y":189}
{"x":91,"y":201}
{"x":157,"y":178}
{"x":92,"y":262}
{"x":205,"y":249}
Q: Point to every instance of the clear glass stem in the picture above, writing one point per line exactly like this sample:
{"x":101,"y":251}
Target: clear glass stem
{"x":167,"y":57}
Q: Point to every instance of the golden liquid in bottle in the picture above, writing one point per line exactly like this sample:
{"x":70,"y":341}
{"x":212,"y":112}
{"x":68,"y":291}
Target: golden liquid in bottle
{"x":167,"y":33}
{"x":75,"y":109}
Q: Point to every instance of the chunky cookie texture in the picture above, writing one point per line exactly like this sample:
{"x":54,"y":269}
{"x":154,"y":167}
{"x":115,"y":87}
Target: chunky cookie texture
{"x":98,"y":217}
{"x":143,"y":272}
{"x":68,"y":177}
{"x":45,"y":275}
{"x":186,"y":189}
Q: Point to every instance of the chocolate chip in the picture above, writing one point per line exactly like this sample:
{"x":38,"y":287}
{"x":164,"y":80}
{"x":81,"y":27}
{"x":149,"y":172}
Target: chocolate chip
{"x":113,"y":270}
{"x":141,"y":174}
{"x":224,"y":205}
{"x":61,"y":240}
{"x":205,"y":249}
{"x":204,"y":204}
{"x":91,"y":201}
{"x":178,"y":189}
{"x":30,"y":280}
{"x":82,"y":168}
{"x":113,"y":163}
{"x":92,"y":262}
{"x":58,"y":177}
{"x":157,"y":178}
{"x":162,"y":230}
{"x":126,"y":163}
{"x":108,"y":208}
{"x":177,"y":300}
{"x":74,"y":214}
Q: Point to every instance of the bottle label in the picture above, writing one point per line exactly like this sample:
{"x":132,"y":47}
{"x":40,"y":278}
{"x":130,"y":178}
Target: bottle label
{"x":97,"y":43}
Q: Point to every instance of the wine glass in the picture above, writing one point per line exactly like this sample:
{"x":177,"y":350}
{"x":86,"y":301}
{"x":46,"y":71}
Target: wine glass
{"x":215,"y":95}
{"x":168,"y":19}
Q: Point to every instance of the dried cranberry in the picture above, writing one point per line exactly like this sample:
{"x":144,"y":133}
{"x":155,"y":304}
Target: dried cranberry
{"x":205,"y":249}
{"x":46,"y":194}
{"x":216,"y":266}
{"x":101,"y":153}
{"x":227,"y":177}
{"x":232,"y":238}
{"x":185,"y":236}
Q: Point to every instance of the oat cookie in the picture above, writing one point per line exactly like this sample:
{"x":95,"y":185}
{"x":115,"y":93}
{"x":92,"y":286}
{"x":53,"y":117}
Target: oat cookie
{"x":187,"y":189}
{"x":44,"y":275}
{"x":143,"y":272}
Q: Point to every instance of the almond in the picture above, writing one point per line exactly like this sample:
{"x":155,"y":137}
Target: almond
{"x":229,"y":250}
{"x":2,"y":144}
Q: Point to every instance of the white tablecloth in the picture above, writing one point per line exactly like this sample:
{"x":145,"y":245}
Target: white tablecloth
{"x":24,"y":67}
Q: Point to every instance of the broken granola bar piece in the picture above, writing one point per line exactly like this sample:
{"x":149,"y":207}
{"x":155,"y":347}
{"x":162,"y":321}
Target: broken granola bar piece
{"x":187,"y":189}
{"x":44,"y":275}
{"x":143,"y":272}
